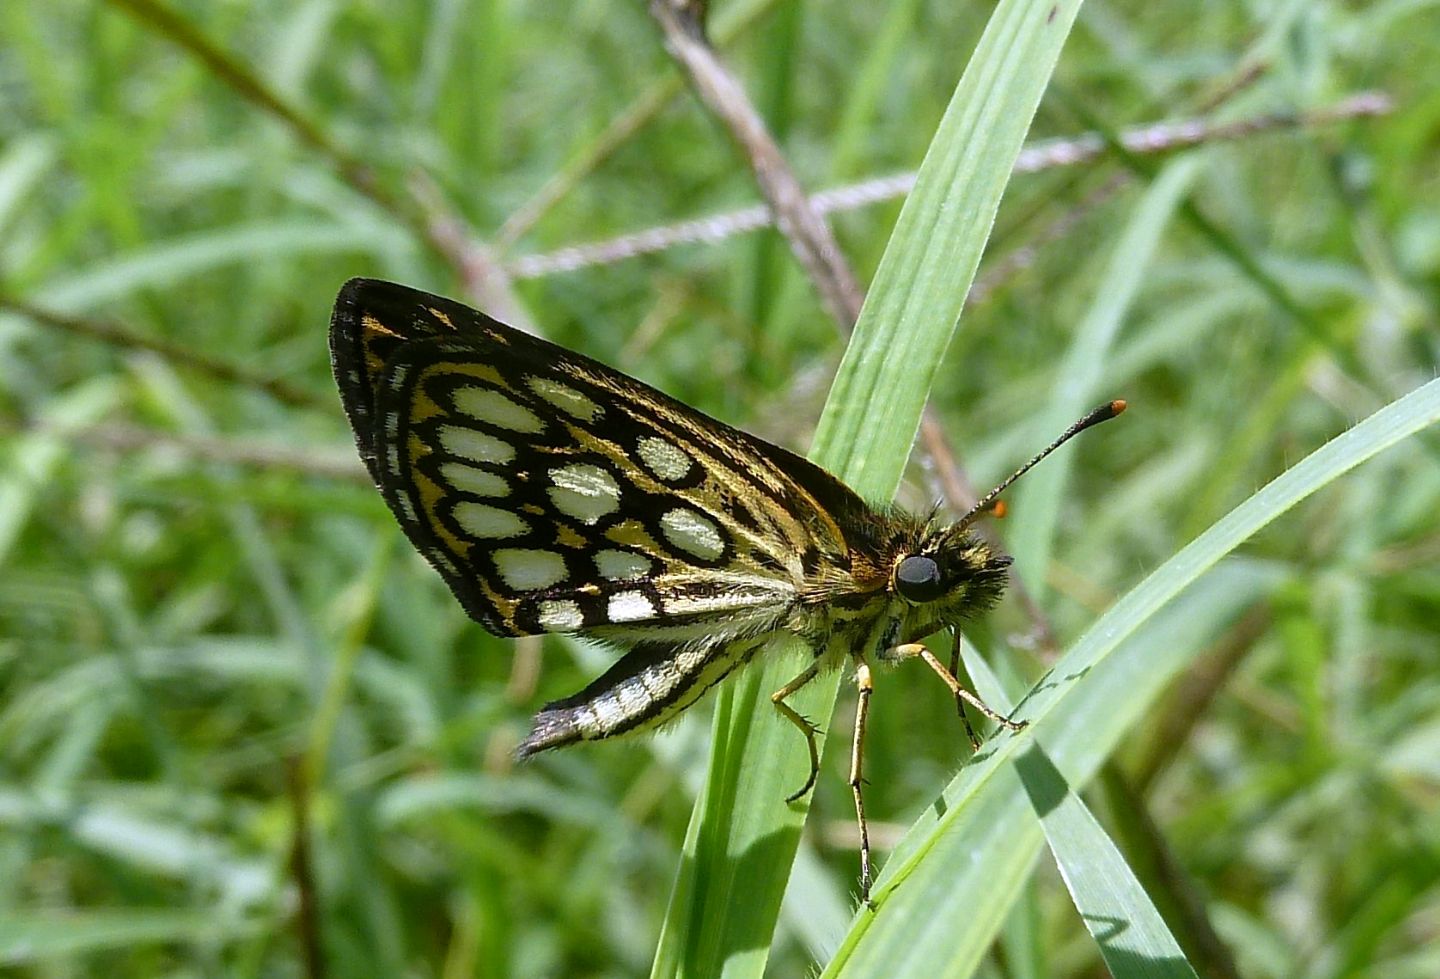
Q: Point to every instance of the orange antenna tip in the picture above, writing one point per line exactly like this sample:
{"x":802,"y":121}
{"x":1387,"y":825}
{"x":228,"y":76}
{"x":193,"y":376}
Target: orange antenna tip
{"x":1101,"y":413}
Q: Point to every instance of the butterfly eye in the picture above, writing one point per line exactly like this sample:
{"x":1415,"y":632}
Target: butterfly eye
{"x":917,"y":579}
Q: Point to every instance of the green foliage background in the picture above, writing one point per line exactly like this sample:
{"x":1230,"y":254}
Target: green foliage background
{"x":204,"y":607}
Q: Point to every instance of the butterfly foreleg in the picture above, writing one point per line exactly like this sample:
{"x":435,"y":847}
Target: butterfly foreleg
{"x":909,"y":649}
{"x":806,"y":727}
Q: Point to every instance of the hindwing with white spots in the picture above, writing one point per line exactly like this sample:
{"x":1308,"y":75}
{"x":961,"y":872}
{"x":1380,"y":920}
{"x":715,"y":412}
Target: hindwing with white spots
{"x":557,"y":495}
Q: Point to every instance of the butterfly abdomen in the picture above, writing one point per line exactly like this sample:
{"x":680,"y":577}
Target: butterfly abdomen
{"x":648,"y":686}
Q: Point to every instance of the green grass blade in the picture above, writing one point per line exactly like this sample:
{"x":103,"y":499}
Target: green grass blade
{"x":22,"y":166}
{"x":919,"y":290}
{"x":166,"y":264}
{"x":964,"y":850}
{"x":32,"y":937}
{"x":742,"y":835}
{"x":1134,"y":940}
{"x":1133,"y":937}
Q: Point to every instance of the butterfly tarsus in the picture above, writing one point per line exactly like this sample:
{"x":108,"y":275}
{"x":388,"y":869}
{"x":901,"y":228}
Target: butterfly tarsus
{"x":804,"y":724}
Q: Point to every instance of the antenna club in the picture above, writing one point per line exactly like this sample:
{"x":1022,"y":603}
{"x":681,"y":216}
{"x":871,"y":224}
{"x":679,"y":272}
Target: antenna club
{"x":1099,"y":414}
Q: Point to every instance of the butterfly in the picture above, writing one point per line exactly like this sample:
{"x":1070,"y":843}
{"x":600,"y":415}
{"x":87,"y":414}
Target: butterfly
{"x":555,"y":494}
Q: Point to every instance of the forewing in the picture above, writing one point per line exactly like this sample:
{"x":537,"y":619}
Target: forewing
{"x":555,"y":494}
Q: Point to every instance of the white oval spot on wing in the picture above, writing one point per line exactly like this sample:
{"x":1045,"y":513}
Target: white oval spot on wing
{"x":490,"y":406}
{"x":561,"y":615}
{"x":564,"y":397}
{"x":584,"y":492}
{"x":664,"y":459}
{"x":468,"y":479}
{"x":528,"y":569}
{"x":479,"y":520}
{"x":629,"y":606}
{"x":475,"y":446}
{"x":620,"y":565}
{"x":693,"y":533}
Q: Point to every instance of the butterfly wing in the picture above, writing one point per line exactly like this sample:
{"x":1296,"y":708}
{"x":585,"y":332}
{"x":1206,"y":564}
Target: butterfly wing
{"x":554,"y":494}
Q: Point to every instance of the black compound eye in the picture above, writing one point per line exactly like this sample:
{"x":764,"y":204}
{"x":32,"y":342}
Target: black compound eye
{"x":917,"y":579}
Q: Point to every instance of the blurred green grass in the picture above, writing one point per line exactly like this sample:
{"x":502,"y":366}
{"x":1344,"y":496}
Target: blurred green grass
{"x":189,"y":601}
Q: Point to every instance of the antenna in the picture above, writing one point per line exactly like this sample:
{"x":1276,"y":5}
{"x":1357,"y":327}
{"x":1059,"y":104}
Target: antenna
{"x":1103,"y":413}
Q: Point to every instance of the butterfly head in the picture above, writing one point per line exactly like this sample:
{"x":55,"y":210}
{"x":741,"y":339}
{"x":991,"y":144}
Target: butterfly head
{"x":951,"y":575}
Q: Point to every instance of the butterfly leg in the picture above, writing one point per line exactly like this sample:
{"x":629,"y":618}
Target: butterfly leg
{"x":909,"y":649}
{"x":960,"y":701}
{"x":857,"y":757}
{"x":806,"y":727}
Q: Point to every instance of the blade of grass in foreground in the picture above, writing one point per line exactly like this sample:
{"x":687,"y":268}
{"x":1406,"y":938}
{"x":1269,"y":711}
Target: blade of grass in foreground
{"x":742,"y":835}
{"x":959,"y":856}
{"x":1132,"y":935}
{"x":1119,"y":915}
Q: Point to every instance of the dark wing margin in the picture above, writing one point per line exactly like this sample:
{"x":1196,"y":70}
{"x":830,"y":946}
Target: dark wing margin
{"x":376,"y":324}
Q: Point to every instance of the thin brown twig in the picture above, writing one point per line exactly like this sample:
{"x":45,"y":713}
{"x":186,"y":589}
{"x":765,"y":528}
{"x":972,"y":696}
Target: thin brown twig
{"x":1227,"y":87}
{"x":307,"y":918}
{"x":124,"y":337}
{"x":553,"y":190}
{"x":809,"y":237}
{"x":1152,"y":139}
